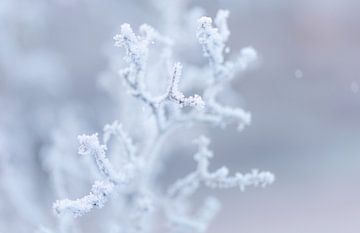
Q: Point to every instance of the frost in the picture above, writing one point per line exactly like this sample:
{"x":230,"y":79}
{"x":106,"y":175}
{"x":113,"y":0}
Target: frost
{"x":90,"y":146}
{"x":177,"y":96}
{"x":129,"y":175}
{"x":162,"y":91}
{"x":221,"y":23}
{"x":116,"y":129}
{"x":217,"y":179}
{"x":98,"y":196}
{"x":213,"y":44}
{"x":101,"y":190}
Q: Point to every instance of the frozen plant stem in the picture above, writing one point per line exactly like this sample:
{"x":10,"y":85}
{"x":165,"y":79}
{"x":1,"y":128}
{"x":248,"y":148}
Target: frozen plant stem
{"x":177,"y":96}
{"x":217,"y":179}
{"x":134,"y":179}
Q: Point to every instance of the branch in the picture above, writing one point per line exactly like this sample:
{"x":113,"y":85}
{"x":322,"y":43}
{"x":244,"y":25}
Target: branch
{"x":89,"y":145}
{"x":116,"y":129}
{"x":213,"y":41}
{"x":218,"y":179}
{"x":101,"y":190}
{"x":175,"y":95}
{"x":137,"y":49}
{"x":98,"y":196}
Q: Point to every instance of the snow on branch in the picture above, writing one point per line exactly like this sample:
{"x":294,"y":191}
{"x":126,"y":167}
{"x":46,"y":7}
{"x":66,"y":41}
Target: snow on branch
{"x":136,"y":174}
{"x":101,"y":190}
{"x":182,"y":221}
{"x":221,"y":23}
{"x":137,"y":50}
{"x":213,"y":44}
{"x":89,"y":145}
{"x":226,"y":113}
{"x":151,"y":35}
{"x":177,"y":96}
{"x":213,"y":39}
{"x":98,"y":196}
{"x":217,"y":179}
{"x":207,"y":213}
{"x":116,"y":129}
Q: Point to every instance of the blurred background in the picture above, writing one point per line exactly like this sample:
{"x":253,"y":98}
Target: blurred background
{"x":303,"y":95}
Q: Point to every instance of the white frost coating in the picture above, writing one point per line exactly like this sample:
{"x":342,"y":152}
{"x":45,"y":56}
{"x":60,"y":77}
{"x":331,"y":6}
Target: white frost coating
{"x":140,"y":200}
{"x":101,"y":190}
{"x":89,"y":145}
{"x":182,"y":221}
{"x":218,"y":179}
{"x":221,"y":23}
{"x":213,"y":41}
{"x":97,"y":197}
{"x":116,"y":129}
{"x":151,"y":35}
{"x":137,"y":49}
{"x":241,"y":116}
{"x":177,"y":96}
{"x":207,"y":213}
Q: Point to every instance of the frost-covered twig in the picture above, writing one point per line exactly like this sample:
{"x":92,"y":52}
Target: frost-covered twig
{"x":218,"y":179}
{"x":101,"y":190}
{"x":134,"y":179}
{"x":89,"y":145}
{"x":221,"y":23}
{"x":226,"y":113}
{"x":182,"y":221}
{"x":116,"y":129}
{"x":99,"y":194}
{"x":136,"y":56}
{"x":213,"y":44}
{"x":177,"y":96}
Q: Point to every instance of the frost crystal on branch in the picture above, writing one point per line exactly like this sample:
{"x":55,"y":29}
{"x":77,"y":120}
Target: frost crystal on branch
{"x":177,"y":96}
{"x":89,"y":145}
{"x":117,"y":130}
{"x":218,"y":179}
{"x":99,"y":194}
{"x":181,"y":221}
{"x":213,"y":42}
{"x":221,"y":22}
{"x":101,"y":190}
{"x":131,"y":175}
{"x":137,"y":49}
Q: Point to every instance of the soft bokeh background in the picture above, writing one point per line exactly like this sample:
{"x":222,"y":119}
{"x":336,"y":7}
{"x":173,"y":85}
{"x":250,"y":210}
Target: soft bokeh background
{"x":304,"y":97}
